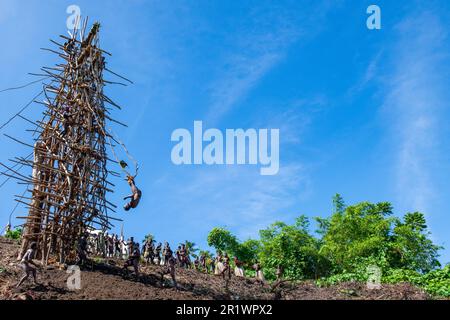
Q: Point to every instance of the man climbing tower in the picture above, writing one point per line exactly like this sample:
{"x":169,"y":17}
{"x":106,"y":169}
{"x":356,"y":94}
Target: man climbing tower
{"x":135,"y":196}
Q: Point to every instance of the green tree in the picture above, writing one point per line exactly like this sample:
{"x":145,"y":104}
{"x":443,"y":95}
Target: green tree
{"x":366,"y":233}
{"x":290,"y":247}
{"x":338,"y":204}
{"x":206,"y":253}
{"x":191,"y":248}
{"x":248,"y":251}
{"x":222,"y":240}
{"x":15,"y":234}
{"x":411,"y":247}
{"x":351,"y":239}
{"x":323,"y":225}
{"x":149,"y":237}
{"x":358,"y":232}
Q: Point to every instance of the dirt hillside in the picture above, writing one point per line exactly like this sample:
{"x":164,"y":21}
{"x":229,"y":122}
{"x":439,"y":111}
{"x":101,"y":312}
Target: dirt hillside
{"x":106,"y":280}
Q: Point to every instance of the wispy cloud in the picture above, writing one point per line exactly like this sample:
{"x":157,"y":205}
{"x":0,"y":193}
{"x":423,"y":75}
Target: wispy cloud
{"x":257,"y":51}
{"x":7,"y":9}
{"x":244,"y":70}
{"x":238,"y":81}
{"x":294,"y":118}
{"x":371,"y":73}
{"x":238,"y":198}
{"x":415,"y":101}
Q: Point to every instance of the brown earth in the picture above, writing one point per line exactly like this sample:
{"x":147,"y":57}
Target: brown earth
{"x":105,"y":280}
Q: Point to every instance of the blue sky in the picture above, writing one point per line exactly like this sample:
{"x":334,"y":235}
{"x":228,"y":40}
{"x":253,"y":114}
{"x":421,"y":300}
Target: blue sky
{"x":360,"y":112}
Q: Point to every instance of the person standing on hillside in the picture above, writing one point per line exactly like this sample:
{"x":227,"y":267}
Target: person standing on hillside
{"x":184,"y":263}
{"x":202,"y":262}
{"x":279,"y":272}
{"x":123,"y":248}
{"x":171,"y":263}
{"x":196,"y":264}
{"x":133,"y":259}
{"x":167,"y":253}
{"x":28,"y":265}
{"x":110,"y":246}
{"x":130,"y":246}
{"x":117,"y":249}
{"x":82,"y":250}
{"x":210,"y":264}
{"x":226,"y":271}
{"x":218,"y":265}
{"x":238,"y":269}
{"x":259,"y":273}
{"x":148,"y":251}
{"x":178,"y":255}
{"x":157,"y":254}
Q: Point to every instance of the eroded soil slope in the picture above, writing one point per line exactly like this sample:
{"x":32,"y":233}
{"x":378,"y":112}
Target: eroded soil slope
{"x":106,"y":280}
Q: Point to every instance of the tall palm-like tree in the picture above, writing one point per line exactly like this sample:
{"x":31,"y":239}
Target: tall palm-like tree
{"x":192,"y":248}
{"x":149,"y":237}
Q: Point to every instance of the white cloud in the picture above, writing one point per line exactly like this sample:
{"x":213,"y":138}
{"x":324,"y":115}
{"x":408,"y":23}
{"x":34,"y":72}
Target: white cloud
{"x":415,"y":102}
{"x":239,"y":80}
{"x":293,"y":118}
{"x":370,"y":74}
{"x":239,"y":198}
{"x":258,"y":50}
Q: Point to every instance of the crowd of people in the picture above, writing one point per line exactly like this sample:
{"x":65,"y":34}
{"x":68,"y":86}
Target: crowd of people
{"x":111,"y":246}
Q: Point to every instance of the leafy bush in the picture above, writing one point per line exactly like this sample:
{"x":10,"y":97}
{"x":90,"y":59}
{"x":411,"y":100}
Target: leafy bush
{"x":353,"y":239}
{"x":402,"y":275}
{"x":437,"y":282}
{"x":358,"y":273}
{"x":222,"y":240}
{"x":15,"y":234}
{"x":341,"y":277}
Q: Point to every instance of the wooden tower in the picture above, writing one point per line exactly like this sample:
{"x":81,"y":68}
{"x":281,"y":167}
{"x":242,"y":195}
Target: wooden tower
{"x":69,"y":180}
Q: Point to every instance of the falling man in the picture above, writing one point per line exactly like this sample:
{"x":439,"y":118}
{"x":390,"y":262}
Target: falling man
{"x":135,"y":196}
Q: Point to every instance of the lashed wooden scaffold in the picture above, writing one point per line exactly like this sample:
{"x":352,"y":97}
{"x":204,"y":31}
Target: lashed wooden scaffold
{"x":69,"y":180}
